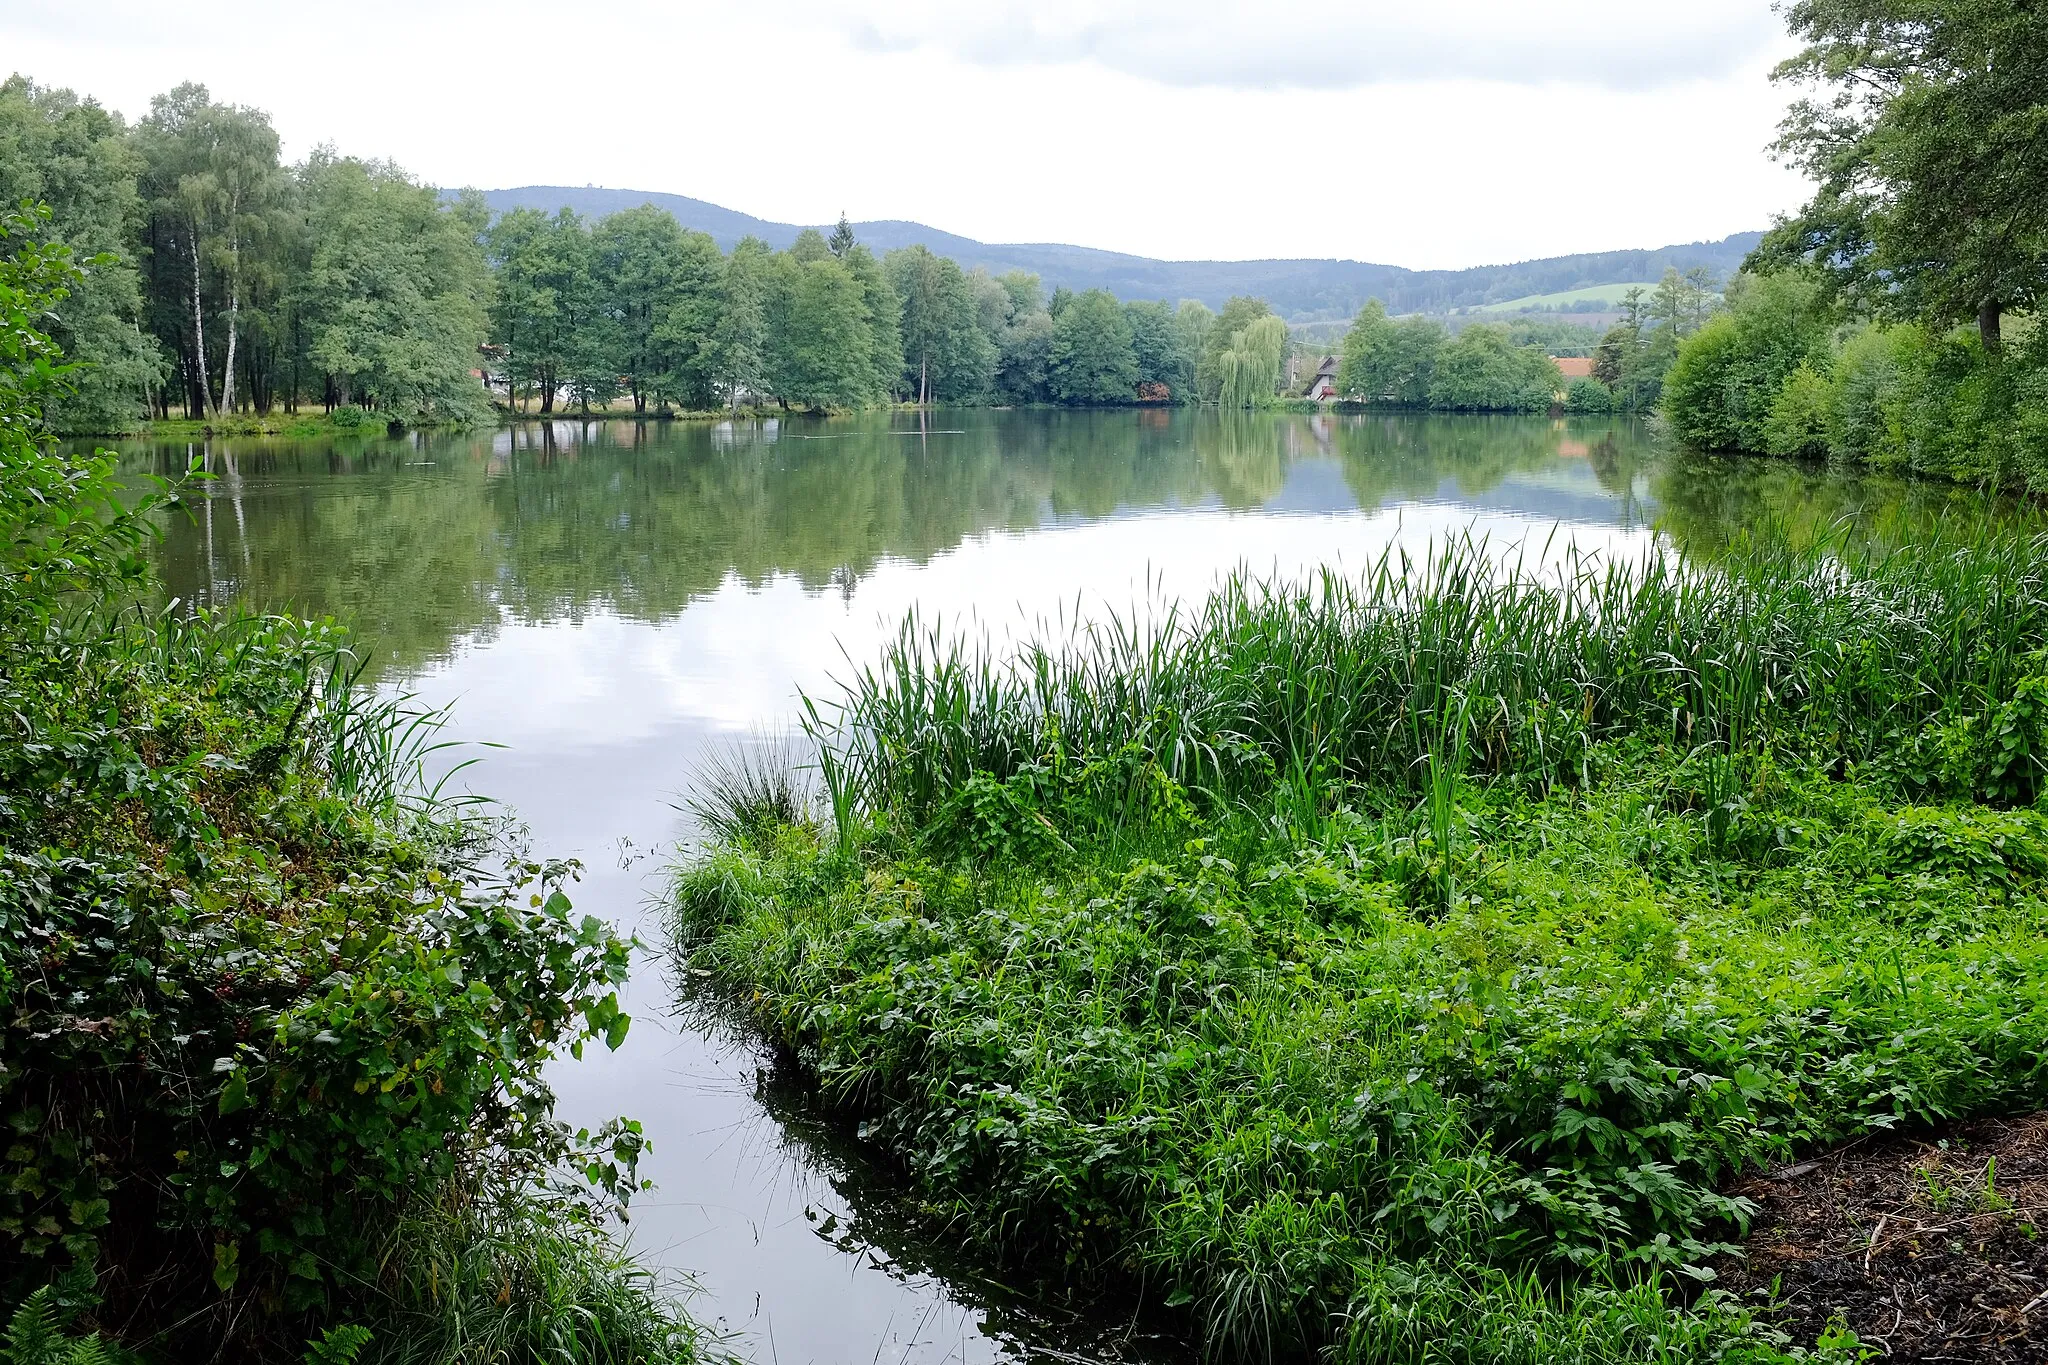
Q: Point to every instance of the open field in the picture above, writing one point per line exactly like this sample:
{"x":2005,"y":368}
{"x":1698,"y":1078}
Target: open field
{"x":1610,"y":294}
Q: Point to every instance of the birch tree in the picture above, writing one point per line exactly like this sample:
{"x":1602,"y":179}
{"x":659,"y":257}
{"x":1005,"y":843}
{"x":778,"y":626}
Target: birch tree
{"x":212,"y":180}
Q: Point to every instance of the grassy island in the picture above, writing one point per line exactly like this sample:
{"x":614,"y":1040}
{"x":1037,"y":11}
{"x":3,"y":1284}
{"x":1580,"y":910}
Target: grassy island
{"x":1412,"y":969}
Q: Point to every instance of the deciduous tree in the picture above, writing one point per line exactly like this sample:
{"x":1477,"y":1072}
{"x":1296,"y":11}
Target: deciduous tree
{"x":1091,"y":360}
{"x":1927,"y":137}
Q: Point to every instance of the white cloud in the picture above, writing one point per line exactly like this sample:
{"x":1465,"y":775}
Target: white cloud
{"x":1612,"y":44}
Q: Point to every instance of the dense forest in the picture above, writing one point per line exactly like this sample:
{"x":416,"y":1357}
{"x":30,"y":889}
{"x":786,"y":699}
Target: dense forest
{"x":222,"y":281}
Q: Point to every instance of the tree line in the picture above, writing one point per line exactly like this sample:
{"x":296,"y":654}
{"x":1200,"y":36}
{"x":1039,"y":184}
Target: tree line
{"x":634,"y":306}
{"x":1893,"y":320}
{"x":219,"y":280}
{"x":1416,"y":362}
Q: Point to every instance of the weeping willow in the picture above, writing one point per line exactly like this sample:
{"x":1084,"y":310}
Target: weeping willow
{"x":1250,"y":369}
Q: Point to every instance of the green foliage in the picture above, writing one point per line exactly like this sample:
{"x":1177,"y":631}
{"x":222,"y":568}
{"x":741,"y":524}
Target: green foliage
{"x":1726,"y":377}
{"x":1342,"y":962}
{"x":491,"y":1271}
{"x":1092,"y":359}
{"x":338,"y":1345}
{"x":546,"y":309}
{"x":736,"y":355}
{"x":1480,"y":370}
{"x":1590,"y":396}
{"x":1801,"y":415}
{"x":1931,"y":183}
{"x":74,"y":157}
{"x":221,"y":232}
{"x":1390,"y":363}
{"x":36,"y":1337}
{"x":266,"y":992}
{"x":820,"y":347}
{"x":946,"y":355}
{"x":1024,"y":346}
{"x":392,"y":295}
{"x":1165,"y":350}
{"x":659,"y":286}
{"x":64,"y":528}
{"x":1249,"y":370}
{"x":1219,"y":335}
{"x":1770,"y":377}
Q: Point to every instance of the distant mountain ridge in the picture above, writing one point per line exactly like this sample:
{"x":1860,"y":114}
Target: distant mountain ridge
{"x":1301,"y":290}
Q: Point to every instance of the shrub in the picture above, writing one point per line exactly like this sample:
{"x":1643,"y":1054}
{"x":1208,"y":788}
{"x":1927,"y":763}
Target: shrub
{"x":1727,"y":375}
{"x":1801,"y":415}
{"x":1588,"y":396}
{"x":349,"y":417}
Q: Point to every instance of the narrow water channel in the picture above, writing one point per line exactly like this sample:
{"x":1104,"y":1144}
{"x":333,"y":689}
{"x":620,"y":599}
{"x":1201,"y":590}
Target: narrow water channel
{"x":613,"y":602}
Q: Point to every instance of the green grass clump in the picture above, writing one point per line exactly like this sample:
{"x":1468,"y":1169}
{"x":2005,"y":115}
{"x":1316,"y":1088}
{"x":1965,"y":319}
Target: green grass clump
{"x":1404,"y":971}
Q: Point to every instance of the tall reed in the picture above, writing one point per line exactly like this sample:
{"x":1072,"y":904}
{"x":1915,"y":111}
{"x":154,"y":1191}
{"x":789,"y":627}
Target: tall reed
{"x":1355,"y":677}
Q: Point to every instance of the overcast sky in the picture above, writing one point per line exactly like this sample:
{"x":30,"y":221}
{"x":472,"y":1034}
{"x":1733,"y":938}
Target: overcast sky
{"x":1425,"y":133}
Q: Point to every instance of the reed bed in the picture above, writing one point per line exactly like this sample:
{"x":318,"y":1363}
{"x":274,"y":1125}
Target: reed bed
{"x":1351,"y":678}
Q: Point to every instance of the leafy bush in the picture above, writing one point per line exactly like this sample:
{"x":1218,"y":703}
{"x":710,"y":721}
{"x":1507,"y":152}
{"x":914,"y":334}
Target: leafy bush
{"x":1588,"y":396}
{"x":1721,"y":388}
{"x":349,"y":417}
{"x":265,"y":994}
{"x":1801,"y":415}
{"x":1766,"y":378}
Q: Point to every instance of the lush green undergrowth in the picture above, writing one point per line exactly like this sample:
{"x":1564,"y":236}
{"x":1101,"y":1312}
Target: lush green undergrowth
{"x":1405,"y":970}
{"x":271,"y":1062}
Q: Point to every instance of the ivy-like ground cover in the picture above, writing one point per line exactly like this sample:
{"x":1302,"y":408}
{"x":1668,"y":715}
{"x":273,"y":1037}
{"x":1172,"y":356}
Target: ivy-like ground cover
{"x":1427,"y":1040}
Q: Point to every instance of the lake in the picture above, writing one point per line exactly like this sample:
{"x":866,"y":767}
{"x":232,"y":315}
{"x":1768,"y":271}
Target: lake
{"x":614,"y":602}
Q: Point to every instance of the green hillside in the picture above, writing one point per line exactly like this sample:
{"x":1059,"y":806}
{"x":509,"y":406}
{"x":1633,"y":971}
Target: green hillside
{"x":1609,"y":294}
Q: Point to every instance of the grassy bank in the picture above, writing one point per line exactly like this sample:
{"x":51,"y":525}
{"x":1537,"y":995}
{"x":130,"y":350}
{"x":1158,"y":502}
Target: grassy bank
{"x":1405,"y":969}
{"x":272,"y":1062}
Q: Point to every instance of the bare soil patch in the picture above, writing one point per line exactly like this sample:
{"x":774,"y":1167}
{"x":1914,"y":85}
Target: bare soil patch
{"x":1932,"y":1247}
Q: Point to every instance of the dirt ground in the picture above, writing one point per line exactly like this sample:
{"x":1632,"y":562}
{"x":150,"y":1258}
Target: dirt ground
{"x":1932,"y":1247}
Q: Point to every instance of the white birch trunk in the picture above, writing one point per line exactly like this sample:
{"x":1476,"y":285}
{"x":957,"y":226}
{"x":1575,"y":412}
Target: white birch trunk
{"x":206,"y":408}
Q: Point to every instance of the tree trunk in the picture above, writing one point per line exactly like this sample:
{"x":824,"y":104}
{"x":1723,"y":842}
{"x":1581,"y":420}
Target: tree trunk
{"x":1990,"y":314}
{"x":227,"y":378}
{"x":199,"y":338}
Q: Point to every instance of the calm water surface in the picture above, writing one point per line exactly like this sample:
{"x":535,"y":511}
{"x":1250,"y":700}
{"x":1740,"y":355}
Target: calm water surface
{"x":613,"y":601}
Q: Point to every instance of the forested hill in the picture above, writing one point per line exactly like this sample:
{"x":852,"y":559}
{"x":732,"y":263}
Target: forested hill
{"x":1303,"y":290}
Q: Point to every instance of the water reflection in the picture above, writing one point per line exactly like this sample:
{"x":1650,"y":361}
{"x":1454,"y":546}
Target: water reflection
{"x":611,"y":599}
{"x":429,"y":542}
